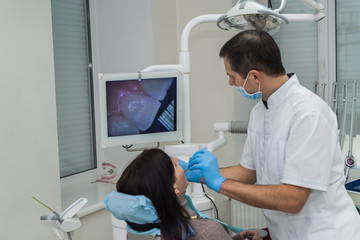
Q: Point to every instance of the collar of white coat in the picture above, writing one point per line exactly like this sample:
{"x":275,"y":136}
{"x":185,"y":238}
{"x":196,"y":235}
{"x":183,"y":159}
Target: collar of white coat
{"x":283,"y":92}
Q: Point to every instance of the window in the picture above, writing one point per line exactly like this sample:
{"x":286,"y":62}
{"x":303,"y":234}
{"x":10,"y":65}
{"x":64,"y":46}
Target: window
{"x":73,"y":81}
{"x":347,"y":55}
{"x":298,"y":43}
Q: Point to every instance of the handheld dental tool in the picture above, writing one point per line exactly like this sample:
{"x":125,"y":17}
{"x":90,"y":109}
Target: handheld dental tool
{"x":323,"y":85}
{"x":334,"y":97}
{"x":316,"y":88}
{"x":344,"y":111}
{"x":57,"y":216}
{"x":350,"y":160}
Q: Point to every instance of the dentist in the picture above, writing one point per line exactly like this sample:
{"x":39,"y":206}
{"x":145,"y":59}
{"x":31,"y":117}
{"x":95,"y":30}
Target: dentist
{"x":291,"y":166}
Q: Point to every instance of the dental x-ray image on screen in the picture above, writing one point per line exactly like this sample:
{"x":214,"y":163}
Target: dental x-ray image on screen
{"x":141,"y":110}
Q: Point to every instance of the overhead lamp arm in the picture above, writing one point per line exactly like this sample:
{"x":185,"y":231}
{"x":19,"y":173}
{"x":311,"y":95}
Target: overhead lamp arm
{"x":184,"y":58}
{"x":282,"y":6}
{"x":276,"y":14}
{"x":317,"y":7}
{"x":184,"y":66}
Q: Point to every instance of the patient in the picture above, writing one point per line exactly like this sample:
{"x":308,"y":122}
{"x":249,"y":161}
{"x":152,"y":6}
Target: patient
{"x":161,"y":179}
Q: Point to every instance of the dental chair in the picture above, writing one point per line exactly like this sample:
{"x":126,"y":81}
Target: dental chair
{"x":141,"y":217}
{"x":132,"y":236}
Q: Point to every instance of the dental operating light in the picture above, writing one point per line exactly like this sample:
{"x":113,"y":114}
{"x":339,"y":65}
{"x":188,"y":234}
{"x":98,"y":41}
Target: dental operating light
{"x":251,"y":15}
{"x":246,"y":15}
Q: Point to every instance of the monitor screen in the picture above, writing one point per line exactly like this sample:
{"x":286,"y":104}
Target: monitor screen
{"x":141,"y":110}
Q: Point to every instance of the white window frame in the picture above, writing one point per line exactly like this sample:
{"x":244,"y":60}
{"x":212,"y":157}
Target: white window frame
{"x":81,"y":184}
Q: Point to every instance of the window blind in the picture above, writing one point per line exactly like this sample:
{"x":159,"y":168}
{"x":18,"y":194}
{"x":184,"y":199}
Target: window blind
{"x":73,"y":86}
{"x":298,"y":44}
{"x":348,"y":55}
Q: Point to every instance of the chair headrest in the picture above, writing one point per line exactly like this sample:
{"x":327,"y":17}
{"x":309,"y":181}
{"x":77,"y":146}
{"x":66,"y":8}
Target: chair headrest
{"x":136,"y":209}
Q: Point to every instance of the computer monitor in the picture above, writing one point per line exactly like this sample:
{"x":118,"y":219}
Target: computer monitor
{"x":140,"y":107}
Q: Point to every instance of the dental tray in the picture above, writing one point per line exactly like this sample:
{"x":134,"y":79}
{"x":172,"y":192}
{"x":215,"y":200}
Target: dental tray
{"x":353,"y":186}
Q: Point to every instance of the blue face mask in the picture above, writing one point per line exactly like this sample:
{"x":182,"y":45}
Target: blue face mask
{"x":253,"y":96}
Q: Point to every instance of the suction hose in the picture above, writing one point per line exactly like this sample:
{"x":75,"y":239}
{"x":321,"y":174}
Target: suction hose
{"x":231,"y":127}
{"x":238,"y":126}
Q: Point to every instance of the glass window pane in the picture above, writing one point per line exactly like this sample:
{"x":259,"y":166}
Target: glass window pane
{"x":298,"y":44}
{"x":347,"y":53}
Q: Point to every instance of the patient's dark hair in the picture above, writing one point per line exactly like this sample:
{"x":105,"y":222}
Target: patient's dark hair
{"x":253,"y":49}
{"x":152,"y":174}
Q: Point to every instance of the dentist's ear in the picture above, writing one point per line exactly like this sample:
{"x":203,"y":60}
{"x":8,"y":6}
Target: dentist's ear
{"x":255,"y":75}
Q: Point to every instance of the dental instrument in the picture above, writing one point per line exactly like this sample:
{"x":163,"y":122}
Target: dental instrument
{"x":344,"y":111}
{"x":350,"y":160}
{"x":56,"y":217}
{"x":334,"y":97}
{"x":323,"y":90}
{"x":67,"y":220}
{"x":316,"y":88}
{"x":221,"y":127}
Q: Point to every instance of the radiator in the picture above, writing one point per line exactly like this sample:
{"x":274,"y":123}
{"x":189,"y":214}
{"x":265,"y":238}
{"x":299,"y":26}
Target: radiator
{"x":245,"y":216}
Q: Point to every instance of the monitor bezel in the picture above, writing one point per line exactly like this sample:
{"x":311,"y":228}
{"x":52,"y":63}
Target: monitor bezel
{"x":127,"y":140}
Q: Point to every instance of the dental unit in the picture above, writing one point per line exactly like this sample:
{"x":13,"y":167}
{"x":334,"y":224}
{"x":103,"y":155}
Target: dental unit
{"x":67,"y":221}
{"x":350,"y":159}
{"x":244,"y":15}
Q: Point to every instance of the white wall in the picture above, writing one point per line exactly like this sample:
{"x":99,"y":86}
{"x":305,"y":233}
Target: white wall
{"x":123,"y":35}
{"x":28,"y":133}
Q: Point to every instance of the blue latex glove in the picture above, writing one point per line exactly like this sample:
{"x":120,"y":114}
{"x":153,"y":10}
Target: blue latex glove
{"x":191,"y":175}
{"x":206,"y":162}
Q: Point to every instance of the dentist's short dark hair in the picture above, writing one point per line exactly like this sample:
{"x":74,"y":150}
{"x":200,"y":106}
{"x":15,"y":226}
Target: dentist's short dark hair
{"x":253,"y":50}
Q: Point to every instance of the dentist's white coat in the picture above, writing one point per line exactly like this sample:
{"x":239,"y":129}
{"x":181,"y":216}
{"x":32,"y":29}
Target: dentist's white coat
{"x":295,"y":141}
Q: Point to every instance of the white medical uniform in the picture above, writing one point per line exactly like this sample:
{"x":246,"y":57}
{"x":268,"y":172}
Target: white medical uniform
{"x":295,"y":141}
